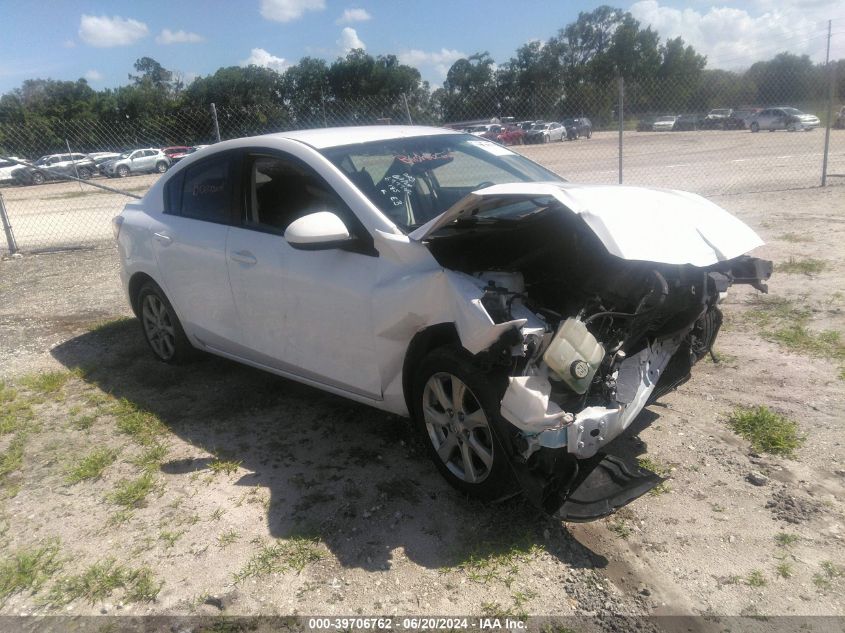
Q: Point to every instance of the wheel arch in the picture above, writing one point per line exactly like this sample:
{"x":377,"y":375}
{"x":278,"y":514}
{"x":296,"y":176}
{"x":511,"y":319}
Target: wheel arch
{"x":136,"y":282}
{"x":421,"y":344}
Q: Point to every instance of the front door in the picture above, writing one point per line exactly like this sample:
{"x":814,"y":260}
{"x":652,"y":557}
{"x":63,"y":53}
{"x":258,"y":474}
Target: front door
{"x":307,"y":312}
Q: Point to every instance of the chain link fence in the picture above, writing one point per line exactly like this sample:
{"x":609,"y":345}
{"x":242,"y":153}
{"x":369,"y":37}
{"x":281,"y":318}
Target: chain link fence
{"x":710,"y":138}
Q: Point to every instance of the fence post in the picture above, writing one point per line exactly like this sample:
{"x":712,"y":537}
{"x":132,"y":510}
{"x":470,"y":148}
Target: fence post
{"x":621,"y":108}
{"x":407,"y":109}
{"x":830,"y":71}
{"x":7,"y":228}
{"x":216,"y":125}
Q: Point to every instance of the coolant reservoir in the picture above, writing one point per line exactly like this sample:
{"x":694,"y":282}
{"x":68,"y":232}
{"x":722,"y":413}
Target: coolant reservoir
{"x":574,"y":354}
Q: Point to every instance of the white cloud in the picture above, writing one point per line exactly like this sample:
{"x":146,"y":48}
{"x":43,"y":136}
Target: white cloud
{"x":104,"y":32}
{"x":289,"y":10}
{"x":69,"y":43}
{"x":736,"y":38}
{"x":178,"y":37}
{"x":93,"y":75}
{"x":349,"y":40}
{"x":432,"y":64}
{"x":260,"y":57}
{"x":354,"y":15}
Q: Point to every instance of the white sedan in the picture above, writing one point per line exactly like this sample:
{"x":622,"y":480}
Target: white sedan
{"x":664,"y":123}
{"x":521,"y":321}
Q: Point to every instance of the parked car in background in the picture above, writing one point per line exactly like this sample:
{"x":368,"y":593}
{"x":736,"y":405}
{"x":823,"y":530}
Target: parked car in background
{"x":687,"y":122}
{"x":715,"y":119}
{"x":7,"y":167}
{"x":545,"y":133}
{"x":511,"y":135}
{"x":783,"y":118}
{"x":177,"y":152}
{"x":55,"y":167}
{"x":664,"y":123}
{"x":646,"y":124}
{"x":103,"y":157}
{"x":363,"y":261}
{"x":739,"y":119}
{"x":138,"y":161}
{"x":578,"y":127}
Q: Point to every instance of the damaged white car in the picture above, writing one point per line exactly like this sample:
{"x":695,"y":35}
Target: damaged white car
{"x":521,"y":321}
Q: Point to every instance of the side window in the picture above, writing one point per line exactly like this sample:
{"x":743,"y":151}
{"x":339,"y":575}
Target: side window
{"x":281,"y":190}
{"x":207,"y":191}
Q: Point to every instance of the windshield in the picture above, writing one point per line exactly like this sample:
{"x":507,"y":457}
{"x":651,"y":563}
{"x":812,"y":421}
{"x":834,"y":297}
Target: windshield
{"x":666,"y":118}
{"x":413,"y":180}
{"x":792,"y":111}
{"x":720,"y":112}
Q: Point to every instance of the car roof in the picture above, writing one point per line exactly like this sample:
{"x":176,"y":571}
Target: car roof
{"x":323,"y":138}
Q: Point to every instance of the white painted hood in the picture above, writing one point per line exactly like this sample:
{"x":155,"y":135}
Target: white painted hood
{"x":634,"y":223}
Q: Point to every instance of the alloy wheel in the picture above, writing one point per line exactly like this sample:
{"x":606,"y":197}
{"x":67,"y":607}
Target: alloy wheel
{"x":158,"y":326}
{"x":458,"y":428}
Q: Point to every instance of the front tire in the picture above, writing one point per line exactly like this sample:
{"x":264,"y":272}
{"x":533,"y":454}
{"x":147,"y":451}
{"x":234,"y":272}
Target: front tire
{"x":123,"y":171}
{"x":85,"y":173}
{"x":161,"y":167}
{"x":456,"y":414}
{"x":37,"y":178}
{"x":162,"y":329}
{"x":755,"y":127}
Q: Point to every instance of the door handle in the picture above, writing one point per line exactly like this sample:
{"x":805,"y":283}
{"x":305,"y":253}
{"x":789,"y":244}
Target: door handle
{"x":244,"y":257}
{"x":164,"y":238}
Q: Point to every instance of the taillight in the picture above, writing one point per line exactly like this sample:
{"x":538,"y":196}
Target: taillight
{"x":116,"y":223}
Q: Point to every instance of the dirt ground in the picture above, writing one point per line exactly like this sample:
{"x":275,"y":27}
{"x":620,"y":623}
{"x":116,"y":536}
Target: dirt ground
{"x":224,"y":490}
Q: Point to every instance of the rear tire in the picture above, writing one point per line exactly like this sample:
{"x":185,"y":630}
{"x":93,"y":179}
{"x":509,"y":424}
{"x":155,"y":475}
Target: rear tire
{"x":161,"y":327}
{"x":37,"y":178}
{"x":85,"y":173}
{"x":456,"y":415}
{"x":755,"y":127}
{"x":123,"y":171}
{"x":161,"y":167}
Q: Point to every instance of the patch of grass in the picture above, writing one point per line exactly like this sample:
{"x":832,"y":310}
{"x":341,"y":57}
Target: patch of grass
{"x":785,"y":323}
{"x":15,"y":411}
{"x":120,"y":517}
{"x":12,"y":458}
{"x":142,"y":426}
{"x":500,"y":562}
{"x":620,"y":528}
{"x":292,"y":554}
{"x":100,"y":580}
{"x":217,"y":514}
{"x":756,"y":579}
{"x":92,"y":465}
{"x":48,"y":382}
{"x":109,"y":325}
{"x":831,"y":570}
{"x":227,"y":538}
{"x":767,"y":431}
{"x":795,"y":238}
{"x":225,"y":466}
{"x":151,"y":459}
{"x":784,"y":570}
{"x":802,"y":266}
{"x":169,"y":537}
{"x":786,"y":539}
{"x":132,"y":493}
{"x":658,"y":469}
{"x":83,"y":422}
{"x":29,"y":569}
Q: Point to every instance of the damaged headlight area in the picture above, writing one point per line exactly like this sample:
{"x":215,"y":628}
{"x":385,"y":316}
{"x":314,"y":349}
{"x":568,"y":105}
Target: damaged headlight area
{"x":602,"y":338}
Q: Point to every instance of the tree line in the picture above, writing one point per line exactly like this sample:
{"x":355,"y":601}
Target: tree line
{"x":575,"y":72}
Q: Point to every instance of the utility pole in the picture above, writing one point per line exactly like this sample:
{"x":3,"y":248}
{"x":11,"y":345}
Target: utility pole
{"x":216,"y":125}
{"x":829,"y":107}
{"x":621,"y":107}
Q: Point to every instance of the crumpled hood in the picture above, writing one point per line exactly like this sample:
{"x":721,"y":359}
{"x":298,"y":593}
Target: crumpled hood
{"x":634,"y":223}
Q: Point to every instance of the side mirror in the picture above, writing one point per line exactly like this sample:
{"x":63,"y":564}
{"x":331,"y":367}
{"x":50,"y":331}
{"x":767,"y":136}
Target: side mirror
{"x":317,"y":231}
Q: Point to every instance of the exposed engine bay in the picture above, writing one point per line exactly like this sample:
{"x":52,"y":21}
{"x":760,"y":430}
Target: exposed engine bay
{"x":601,"y":336}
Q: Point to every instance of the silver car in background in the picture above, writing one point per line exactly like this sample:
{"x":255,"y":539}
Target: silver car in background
{"x":783,"y":118}
{"x":136,"y":162}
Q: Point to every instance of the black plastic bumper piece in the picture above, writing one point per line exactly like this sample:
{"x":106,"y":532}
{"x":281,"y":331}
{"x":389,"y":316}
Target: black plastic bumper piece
{"x":604,"y":484}
{"x":581,"y":490}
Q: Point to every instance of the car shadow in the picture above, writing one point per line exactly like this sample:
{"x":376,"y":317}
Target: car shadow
{"x":343,"y":472}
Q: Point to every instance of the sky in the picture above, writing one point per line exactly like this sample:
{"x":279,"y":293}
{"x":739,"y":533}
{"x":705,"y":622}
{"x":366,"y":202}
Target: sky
{"x":100,"y":40}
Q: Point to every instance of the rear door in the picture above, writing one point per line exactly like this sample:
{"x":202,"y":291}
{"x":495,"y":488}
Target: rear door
{"x":189,"y":241}
{"x":306,"y":312}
